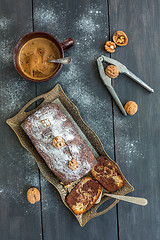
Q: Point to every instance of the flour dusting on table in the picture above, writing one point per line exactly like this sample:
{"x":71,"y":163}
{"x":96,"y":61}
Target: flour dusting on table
{"x":6,"y":43}
{"x":14,"y":188}
{"x":128,"y":149}
{"x":13,"y":93}
{"x":6,"y":51}
{"x":45,"y":16}
{"x":89,"y":30}
{"x":4,"y":23}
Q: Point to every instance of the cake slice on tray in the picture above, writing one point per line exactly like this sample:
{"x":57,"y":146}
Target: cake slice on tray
{"x":84,"y":195}
{"x":107,"y":174}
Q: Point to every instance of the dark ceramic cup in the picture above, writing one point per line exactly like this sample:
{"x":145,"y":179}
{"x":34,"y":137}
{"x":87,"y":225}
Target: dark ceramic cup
{"x":62,"y":46}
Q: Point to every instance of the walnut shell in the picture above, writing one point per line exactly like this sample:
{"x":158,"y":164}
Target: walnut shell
{"x":120,"y":38}
{"x":131,"y":107}
{"x":110,"y":46}
{"x":112,"y":71}
{"x":33,"y":195}
{"x":58,"y":142}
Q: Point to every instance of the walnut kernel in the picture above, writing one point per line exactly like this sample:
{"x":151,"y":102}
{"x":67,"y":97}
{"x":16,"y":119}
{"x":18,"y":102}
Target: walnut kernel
{"x":73,"y":164}
{"x":131,"y":107}
{"x":112,"y":71}
{"x":46,"y":122}
{"x":120,"y":38}
{"x":110,"y":46}
{"x":58,"y":142}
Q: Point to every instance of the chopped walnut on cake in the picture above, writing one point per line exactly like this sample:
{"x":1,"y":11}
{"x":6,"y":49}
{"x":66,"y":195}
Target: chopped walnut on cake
{"x":73,"y":164}
{"x":58,"y":142}
{"x":46,"y":122}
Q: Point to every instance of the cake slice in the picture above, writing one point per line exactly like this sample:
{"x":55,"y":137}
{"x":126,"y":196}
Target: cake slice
{"x":84,"y":195}
{"x":107,"y":174}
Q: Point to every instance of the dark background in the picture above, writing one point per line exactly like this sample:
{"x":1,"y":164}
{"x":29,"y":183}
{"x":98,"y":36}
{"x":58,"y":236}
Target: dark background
{"x":133,"y":142}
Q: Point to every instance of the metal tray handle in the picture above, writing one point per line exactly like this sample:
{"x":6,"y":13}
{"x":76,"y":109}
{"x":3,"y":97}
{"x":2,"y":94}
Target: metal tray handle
{"x":96,"y":214}
{"x":45,"y":98}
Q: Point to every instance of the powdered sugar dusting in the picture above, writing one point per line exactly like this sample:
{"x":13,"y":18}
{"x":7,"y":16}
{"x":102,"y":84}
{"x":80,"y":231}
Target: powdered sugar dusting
{"x":127,"y":147}
{"x":57,"y":159}
{"x":13,"y":94}
{"x":6,"y":51}
{"x":50,"y":19}
{"x":13,"y":188}
{"x":45,"y":16}
{"x":86,"y":24}
{"x":4,"y":23}
{"x":88,"y":28}
{"x":7,"y":44}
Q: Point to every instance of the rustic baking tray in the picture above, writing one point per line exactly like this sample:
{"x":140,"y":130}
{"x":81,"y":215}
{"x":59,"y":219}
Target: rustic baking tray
{"x":55,"y":94}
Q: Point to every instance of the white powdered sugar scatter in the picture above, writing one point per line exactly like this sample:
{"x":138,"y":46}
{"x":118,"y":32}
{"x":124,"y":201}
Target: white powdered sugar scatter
{"x":13,"y":92}
{"x":87,"y":24}
{"x":6,"y":43}
{"x":88,"y":30}
{"x":6,"y":51}
{"x":73,"y":73}
{"x":4,"y":23}
{"x":13,"y":188}
{"x":128,"y":149}
{"x":45,"y":16}
{"x":50,"y":19}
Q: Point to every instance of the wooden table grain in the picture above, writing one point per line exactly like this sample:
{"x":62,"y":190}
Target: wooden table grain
{"x":133,"y":142}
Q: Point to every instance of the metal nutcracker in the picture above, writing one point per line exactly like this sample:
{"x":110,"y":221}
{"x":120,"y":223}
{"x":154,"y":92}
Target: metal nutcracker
{"x":122,"y":69}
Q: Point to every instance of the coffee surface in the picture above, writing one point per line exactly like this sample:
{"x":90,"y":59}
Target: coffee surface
{"x":34,"y":56}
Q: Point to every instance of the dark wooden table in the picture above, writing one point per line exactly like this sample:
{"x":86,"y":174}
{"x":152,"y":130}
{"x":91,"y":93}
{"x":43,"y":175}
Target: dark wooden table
{"x":133,"y":142}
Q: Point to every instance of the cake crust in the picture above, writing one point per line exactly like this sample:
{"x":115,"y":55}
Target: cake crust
{"x":43,"y":127}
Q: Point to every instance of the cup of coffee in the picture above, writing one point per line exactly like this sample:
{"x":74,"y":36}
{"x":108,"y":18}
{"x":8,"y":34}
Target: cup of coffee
{"x":32,"y":54}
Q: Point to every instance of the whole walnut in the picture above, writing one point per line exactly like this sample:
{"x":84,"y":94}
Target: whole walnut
{"x":112,"y":71}
{"x":131,"y":107}
{"x":33,"y":195}
{"x":58,"y":142}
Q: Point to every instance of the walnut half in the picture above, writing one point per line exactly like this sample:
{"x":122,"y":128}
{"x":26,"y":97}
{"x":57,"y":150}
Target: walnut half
{"x":73,"y":164}
{"x":110,"y":46}
{"x":120,"y":38}
{"x":58,"y":142}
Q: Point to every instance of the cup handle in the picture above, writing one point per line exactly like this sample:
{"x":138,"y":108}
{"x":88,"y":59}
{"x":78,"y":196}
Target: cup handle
{"x":67,"y":43}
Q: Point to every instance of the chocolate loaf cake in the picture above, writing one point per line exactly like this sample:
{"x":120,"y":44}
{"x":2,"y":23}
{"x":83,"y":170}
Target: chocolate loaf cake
{"x":59,"y":144}
{"x":84,"y":195}
{"x":107,"y":174}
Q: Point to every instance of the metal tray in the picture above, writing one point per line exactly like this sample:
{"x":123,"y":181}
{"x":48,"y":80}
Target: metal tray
{"x":15,"y":123}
